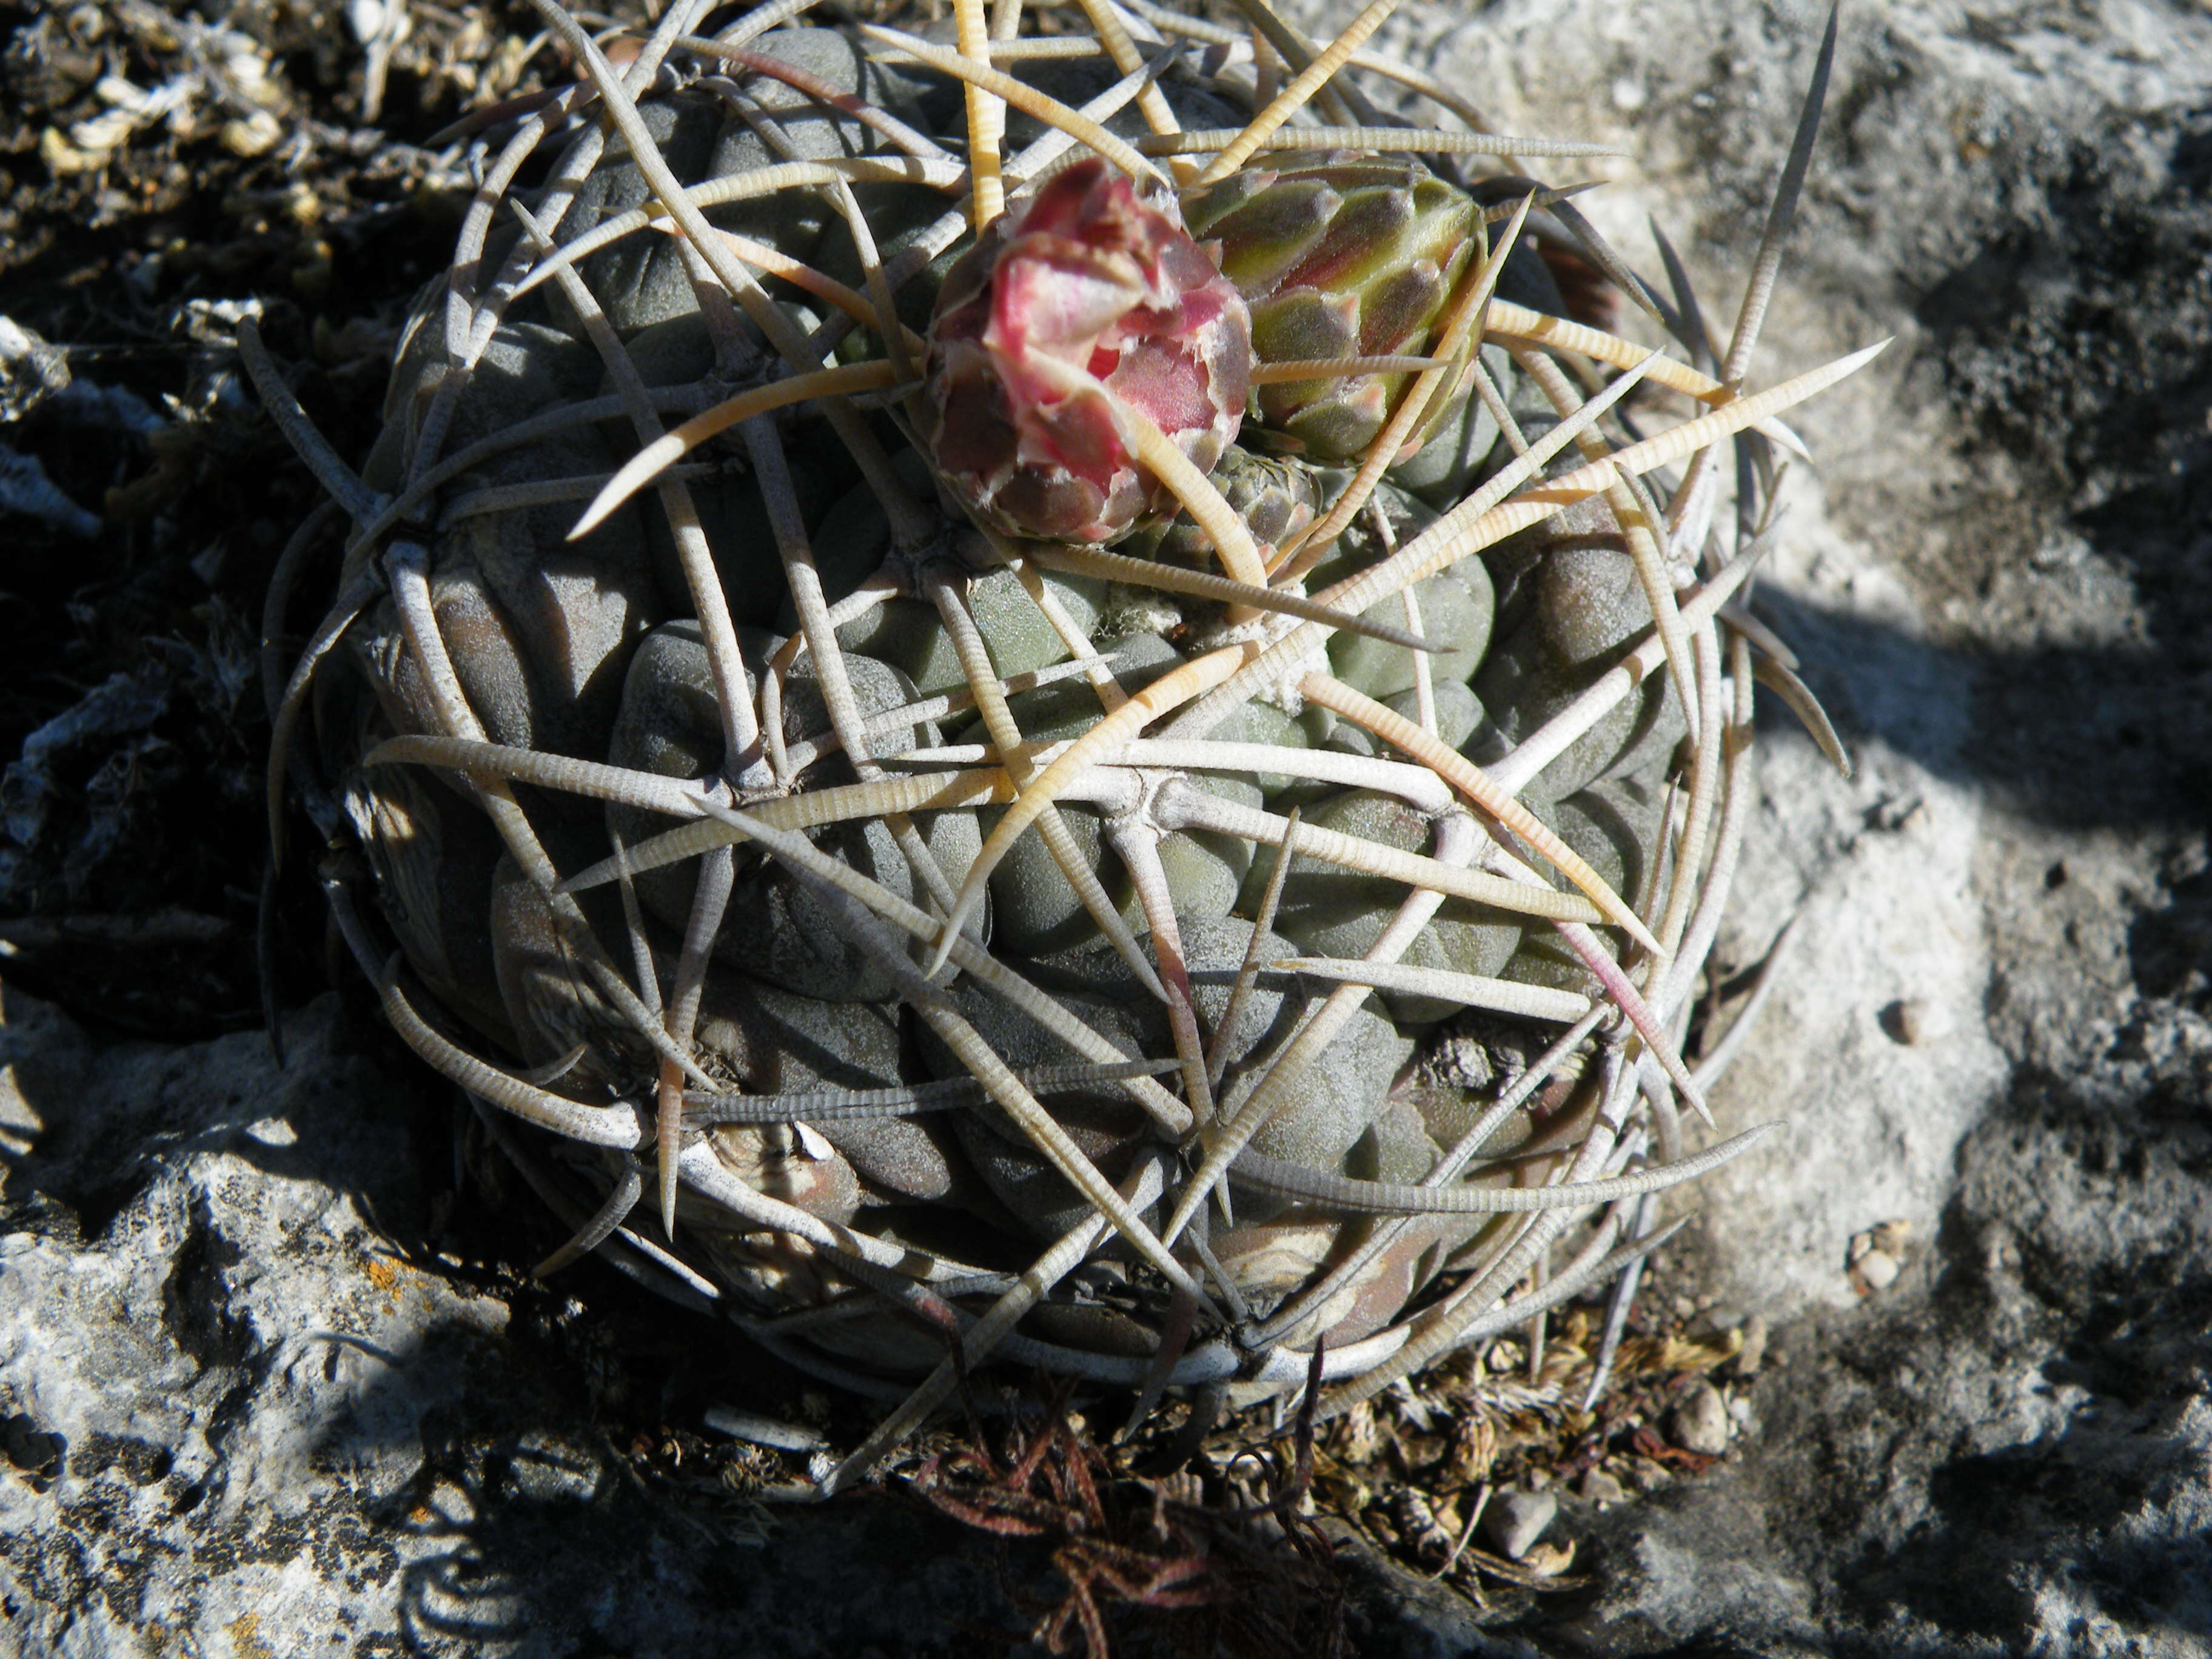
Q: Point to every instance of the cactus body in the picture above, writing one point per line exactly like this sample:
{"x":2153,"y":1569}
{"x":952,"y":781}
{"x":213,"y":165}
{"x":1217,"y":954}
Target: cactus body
{"x":678,"y":810}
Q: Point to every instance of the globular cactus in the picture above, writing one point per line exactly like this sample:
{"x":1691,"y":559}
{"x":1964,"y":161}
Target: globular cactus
{"x":1004,"y":855}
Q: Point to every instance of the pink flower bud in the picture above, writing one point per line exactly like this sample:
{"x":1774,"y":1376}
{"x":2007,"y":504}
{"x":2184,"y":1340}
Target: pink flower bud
{"x":1080,"y":303}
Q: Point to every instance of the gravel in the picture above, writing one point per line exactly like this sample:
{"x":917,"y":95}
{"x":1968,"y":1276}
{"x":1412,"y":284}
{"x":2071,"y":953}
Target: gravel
{"x":1514,"y":1521}
{"x":1699,"y":1421}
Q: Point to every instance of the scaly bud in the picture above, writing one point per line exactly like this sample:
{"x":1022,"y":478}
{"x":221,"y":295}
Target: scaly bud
{"x":1275,"y":495}
{"x":1343,"y":258}
{"x":1083,"y":301}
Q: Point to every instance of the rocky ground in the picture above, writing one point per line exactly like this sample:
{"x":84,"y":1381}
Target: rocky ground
{"x":264,"y":1387}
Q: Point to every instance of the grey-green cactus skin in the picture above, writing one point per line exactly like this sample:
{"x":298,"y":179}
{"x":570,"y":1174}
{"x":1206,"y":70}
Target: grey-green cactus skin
{"x":591,"y":649}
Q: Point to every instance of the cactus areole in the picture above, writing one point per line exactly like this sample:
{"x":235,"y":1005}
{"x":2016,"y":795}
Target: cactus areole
{"x":1075,"y":310}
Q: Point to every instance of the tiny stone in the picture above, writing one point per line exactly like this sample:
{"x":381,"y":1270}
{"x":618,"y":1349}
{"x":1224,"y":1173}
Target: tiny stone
{"x":1648,"y":1476}
{"x":1752,"y":1354}
{"x":1919,"y":1020}
{"x":1876,"y":1270}
{"x":1601,"y":1488}
{"x":1683,"y":1307}
{"x":1700,"y":1421}
{"x":1550,"y":1560}
{"x":1516,"y":1520}
{"x":1717,"y":1319}
{"x":1539,"y":1479}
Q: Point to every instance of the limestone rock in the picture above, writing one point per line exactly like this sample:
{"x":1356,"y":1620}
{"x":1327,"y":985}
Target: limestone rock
{"x":243,"y":1411}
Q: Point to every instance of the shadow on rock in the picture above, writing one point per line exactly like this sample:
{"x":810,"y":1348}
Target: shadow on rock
{"x":100,"y":1120}
{"x":2074,"y":737}
{"x":525,"y":1531}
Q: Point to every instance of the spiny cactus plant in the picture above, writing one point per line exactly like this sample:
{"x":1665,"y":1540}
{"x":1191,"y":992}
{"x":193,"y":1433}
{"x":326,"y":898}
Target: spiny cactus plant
{"x":1031,"y":678}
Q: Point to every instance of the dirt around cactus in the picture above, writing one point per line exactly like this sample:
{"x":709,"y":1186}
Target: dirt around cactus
{"x":160,"y":165}
{"x":1981,"y":1421}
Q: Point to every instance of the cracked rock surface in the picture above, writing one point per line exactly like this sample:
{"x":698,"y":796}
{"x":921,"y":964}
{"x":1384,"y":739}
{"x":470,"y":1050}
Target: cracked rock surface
{"x":235,"y":1420}
{"x":1992,"y":1042}
{"x":238,"y":1420}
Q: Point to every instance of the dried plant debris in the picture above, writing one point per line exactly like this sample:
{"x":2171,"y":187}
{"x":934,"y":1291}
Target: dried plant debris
{"x":1230,"y":1563}
{"x":1438,"y":1472}
{"x":159,"y":164}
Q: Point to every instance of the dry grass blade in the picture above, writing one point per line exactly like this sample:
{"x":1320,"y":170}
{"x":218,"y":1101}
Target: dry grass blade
{"x":1294,"y":98}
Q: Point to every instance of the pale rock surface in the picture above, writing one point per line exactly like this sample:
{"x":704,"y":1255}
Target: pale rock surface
{"x":240,"y":1418}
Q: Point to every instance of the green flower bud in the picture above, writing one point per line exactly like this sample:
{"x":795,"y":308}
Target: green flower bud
{"x":1342,"y":257}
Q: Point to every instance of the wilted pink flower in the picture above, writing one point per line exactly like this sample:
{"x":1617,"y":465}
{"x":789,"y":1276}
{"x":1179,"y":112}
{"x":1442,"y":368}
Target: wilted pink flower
{"x":1084,"y":297}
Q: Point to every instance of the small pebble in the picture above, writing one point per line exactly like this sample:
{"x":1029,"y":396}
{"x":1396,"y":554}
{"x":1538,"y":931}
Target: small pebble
{"x":1700,"y":1421}
{"x":1912,"y":1022}
{"x":1752,"y":1354}
{"x":760,"y":1431}
{"x":1876,"y":1270}
{"x":1550,"y":1560}
{"x":1516,"y":1520}
{"x":1601,"y":1488}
